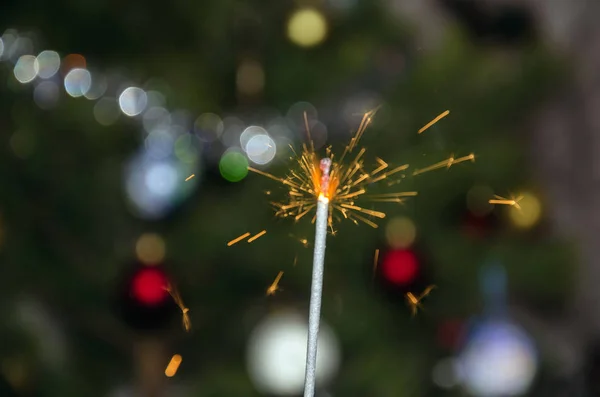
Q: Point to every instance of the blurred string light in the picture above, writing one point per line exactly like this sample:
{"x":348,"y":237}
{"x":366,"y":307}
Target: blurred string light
{"x":133,"y":101}
{"x":167,"y":131}
{"x":276,"y":356}
{"x":46,"y":95}
{"x":48,"y":64}
{"x":400,"y":232}
{"x":78,"y":82}
{"x":150,"y":249}
{"x":155,"y":186}
{"x":445,"y":373}
{"x":307,"y":27}
{"x":529,"y":212}
{"x":233,"y":166}
{"x":499,"y":360}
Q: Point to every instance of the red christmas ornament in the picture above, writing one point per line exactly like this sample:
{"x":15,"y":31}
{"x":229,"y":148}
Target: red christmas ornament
{"x":148,"y":286}
{"x":400,"y":267}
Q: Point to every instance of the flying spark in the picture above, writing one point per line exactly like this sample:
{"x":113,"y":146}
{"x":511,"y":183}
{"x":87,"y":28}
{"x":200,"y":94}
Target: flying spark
{"x":257,"y":236}
{"x":186,"y":322}
{"x":415,"y":302}
{"x":514,"y":202}
{"x":173,"y":365}
{"x":432,"y":122}
{"x":340,"y":181}
{"x":375,"y":262}
{"x":274,"y":287}
{"x":238,"y":239}
{"x":190,"y":177}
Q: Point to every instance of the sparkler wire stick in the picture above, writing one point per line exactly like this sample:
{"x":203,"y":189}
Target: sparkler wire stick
{"x":316,"y":289}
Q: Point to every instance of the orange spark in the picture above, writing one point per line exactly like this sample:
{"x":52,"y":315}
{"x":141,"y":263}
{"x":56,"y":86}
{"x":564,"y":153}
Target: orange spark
{"x":173,"y":365}
{"x":238,"y":239}
{"x":415,"y":302}
{"x":190,"y":177}
{"x":449,"y":162}
{"x":504,"y":201}
{"x":375,"y":262}
{"x":186,"y":322}
{"x":258,"y":235}
{"x":274,"y":287}
{"x":432,"y":122}
{"x":342,"y":180}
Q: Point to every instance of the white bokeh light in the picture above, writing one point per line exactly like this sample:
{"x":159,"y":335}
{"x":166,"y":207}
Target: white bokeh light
{"x":261,"y":149}
{"x":249,"y":133}
{"x":49,"y":63}
{"x":106,"y":111}
{"x":46,"y":94}
{"x":159,"y":143}
{"x":498,"y":361}
{"x":155,"y":186}
{"x":77,"y":82}
{"x":133,"y":101}
{"x":277,"y":354}
{"x":26,"y":69}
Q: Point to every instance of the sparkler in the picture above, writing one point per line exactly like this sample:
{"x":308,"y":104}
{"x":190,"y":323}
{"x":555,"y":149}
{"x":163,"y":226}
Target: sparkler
{"x":333,"y":186}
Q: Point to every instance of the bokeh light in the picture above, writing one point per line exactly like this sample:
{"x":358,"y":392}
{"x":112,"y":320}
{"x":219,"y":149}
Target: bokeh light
{"x":159,"y":143}
{"x":233,"y":166}
{"x":529,"y":213}
{"x":156,"y":117}
{"x":26,"y":69}
{"x":499,"y":360}
{"x":445,"y":373}
{"x":400,"y":266}
{"x":150,"y":249}
{"x":307,"y":27}
{"x":148,"y":286}
{"x":49,"y":64}
{"x":155,"y":186}
{"x":133,"y":101}
{"x":208,"y":127}
{"x":78,"y":82}
{"x":73,"y":61}
{"x":98,"y":87}
{"x":187,"y":147}
{"x":277,"y":354}
{"x":46,"y":95}
{"x":106,"y":111}
{"x":400,"y":232}
{"x":261,"y":149}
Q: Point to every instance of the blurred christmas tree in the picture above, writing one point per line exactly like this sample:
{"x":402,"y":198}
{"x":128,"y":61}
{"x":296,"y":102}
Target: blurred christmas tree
{"x":68,"y":233}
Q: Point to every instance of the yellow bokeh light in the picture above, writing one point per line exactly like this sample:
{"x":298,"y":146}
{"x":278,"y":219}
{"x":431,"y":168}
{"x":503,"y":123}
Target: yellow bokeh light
{"x":529,"y":213}
{"x":400,"y":232}
{"x":307,"y":27}
{"x":150,"y":249}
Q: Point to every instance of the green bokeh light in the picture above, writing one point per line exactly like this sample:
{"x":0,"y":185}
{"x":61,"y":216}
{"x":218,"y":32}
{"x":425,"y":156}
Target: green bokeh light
{"x":233,"y":166}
